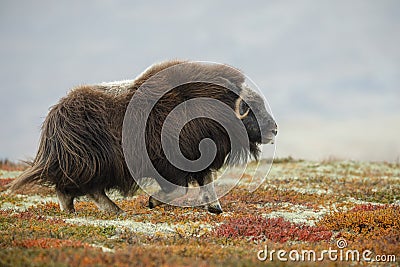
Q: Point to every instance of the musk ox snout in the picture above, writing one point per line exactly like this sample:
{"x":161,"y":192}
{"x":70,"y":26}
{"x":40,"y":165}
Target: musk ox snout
{"x":269,"y":130}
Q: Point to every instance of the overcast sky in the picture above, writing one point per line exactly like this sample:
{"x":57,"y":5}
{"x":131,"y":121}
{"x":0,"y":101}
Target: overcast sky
{"x":330,"y":70}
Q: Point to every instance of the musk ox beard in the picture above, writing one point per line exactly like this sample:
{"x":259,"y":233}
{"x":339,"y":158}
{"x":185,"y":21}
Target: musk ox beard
{"x":80,"y":151}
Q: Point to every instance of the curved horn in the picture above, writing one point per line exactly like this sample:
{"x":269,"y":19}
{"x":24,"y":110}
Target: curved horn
{"x":237,"y":109}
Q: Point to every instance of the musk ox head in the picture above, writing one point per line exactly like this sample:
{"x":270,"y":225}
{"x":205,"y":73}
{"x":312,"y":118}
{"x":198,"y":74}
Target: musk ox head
{"x":250,"y":108}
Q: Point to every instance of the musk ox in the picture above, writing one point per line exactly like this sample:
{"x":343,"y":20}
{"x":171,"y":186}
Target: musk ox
{"x":81,"y":153}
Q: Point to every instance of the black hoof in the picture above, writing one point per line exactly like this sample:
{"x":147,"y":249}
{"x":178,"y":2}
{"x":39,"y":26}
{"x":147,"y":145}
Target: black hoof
{"x":214,"y":209}
{"x":151,"y":204}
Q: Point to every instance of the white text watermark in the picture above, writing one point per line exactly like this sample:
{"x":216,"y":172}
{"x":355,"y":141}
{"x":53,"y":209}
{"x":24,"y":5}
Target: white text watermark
{"x":332,"y":254}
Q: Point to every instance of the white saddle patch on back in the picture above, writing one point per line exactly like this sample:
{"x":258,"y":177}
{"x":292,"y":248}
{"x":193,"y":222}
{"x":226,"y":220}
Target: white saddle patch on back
{"x":116,"y":87}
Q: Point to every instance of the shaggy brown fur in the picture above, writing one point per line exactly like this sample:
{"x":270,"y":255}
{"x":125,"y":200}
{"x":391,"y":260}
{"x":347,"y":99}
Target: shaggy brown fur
{"x":80,"y":151}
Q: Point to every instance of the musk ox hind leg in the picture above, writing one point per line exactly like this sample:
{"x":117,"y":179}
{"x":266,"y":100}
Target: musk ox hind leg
{"x":66,"y":201}
{"x":104,"y":203}
{"x":208,"y":192}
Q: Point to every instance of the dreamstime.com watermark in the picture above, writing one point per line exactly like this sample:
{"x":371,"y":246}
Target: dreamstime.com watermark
{"x":331,"y":254}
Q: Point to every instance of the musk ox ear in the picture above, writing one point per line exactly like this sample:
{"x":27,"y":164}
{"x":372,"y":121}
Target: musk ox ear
{"x":237,"y":109}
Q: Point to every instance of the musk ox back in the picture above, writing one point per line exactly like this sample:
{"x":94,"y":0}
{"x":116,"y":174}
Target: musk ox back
{"x":81,"y":148}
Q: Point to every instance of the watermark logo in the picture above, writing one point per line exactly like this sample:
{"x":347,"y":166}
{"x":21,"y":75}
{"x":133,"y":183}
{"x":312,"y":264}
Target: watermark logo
{"x":331,"y":254}
{"x":341,"y":243}
{"x":178,"y":123}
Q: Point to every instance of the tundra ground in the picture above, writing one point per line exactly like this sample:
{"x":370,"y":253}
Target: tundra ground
{"x":302,"y":205}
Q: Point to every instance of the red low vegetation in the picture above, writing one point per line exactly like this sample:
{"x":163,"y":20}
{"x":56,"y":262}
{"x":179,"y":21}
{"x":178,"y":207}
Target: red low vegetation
{"x":274,"y":229}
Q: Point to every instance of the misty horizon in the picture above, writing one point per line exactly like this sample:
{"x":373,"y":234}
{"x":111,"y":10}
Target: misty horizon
{"x":330,"y":71}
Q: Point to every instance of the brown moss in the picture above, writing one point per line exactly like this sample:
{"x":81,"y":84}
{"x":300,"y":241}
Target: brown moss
{"x":48,"y":243}
{"x":364,"y":222}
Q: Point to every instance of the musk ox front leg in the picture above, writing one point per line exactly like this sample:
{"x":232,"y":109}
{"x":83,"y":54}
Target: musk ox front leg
{"x":104,"y":203}
{"x":207,"y":193}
